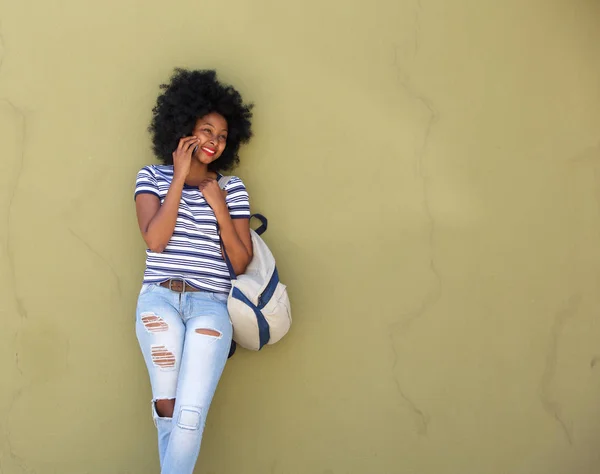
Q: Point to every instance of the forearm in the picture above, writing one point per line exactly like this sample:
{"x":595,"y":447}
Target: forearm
{"x":161,"y":227}
{"x":239,"y":255}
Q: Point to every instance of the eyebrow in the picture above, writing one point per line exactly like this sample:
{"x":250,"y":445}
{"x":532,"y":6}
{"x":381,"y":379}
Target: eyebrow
{"x":208,"y":123}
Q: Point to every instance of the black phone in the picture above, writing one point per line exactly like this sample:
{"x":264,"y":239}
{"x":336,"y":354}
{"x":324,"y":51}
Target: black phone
{"x":195,"y":150}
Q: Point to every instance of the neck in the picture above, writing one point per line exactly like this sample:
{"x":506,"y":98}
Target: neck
{"x":198,"y":173}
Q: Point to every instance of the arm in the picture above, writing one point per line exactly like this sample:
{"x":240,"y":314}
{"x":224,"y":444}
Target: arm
{"x":235,"y":233}
{"x":157,"y":222}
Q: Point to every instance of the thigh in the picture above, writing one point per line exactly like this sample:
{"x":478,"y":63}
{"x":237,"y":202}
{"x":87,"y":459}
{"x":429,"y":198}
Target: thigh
{"x":160,"y":332}
{"x":208,"y":334}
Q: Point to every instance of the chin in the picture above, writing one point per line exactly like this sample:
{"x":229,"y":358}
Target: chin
{"x":205,"y":160}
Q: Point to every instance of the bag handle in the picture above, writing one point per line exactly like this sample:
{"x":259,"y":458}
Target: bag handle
{"x":263,"y":221}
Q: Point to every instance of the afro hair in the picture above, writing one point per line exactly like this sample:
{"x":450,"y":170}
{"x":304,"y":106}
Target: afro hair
{"x":191,"y":95}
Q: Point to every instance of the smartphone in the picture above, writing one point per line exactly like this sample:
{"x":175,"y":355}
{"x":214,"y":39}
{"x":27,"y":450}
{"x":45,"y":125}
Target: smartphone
{"x":195,"y":150}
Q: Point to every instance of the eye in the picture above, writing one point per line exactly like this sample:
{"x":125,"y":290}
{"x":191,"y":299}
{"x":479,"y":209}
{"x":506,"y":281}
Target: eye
{"x":223,"y":137}
{"x":207,"y":130}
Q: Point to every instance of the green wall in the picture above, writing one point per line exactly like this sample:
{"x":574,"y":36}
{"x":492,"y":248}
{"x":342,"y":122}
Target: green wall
{"x":431,"y":171}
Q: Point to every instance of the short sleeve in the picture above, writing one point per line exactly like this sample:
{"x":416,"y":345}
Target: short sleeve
{"x":146,"y":183}
{"x":237,"y":199}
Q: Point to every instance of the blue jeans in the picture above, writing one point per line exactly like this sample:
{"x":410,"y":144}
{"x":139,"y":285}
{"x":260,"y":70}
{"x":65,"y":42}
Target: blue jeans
{"x":185,"y":339}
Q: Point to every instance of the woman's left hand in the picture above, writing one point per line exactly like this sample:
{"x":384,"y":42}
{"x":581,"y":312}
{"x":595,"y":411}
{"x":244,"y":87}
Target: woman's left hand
{"x":214,"y":195}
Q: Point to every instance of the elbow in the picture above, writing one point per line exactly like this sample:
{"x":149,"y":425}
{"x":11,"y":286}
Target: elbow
{"x":155,"y":245}
{"x":239,"y":270}
{"x":241,"y":266}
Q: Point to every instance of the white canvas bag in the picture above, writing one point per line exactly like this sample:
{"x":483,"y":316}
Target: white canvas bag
{"x":258,"y":303}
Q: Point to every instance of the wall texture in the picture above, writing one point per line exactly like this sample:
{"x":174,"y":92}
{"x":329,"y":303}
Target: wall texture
{"x":431,"y":171}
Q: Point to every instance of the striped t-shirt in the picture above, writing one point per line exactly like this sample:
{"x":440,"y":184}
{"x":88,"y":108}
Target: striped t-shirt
{"x":193,"y":253}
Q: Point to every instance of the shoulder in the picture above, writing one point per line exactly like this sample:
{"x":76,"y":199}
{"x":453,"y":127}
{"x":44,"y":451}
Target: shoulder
{"x":237,"y":198}
{"x":157,"y":171}
{"x":233,"y":183}
{"x":154,"y":179}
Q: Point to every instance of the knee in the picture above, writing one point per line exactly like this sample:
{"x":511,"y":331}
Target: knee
{"x":165,"y":407}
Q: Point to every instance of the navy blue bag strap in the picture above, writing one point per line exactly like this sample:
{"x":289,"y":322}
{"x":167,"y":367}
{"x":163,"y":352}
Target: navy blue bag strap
{"x":232,"y":274}
{"x":232,"y":349}
{"x":263,"y":221}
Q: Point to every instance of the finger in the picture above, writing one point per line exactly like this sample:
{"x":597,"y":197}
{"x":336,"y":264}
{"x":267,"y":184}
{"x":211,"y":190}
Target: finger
{"x":182,"y":142}
{"x":206,"y":183}
{"x":185,"y":141}
{"x":191,"y":145}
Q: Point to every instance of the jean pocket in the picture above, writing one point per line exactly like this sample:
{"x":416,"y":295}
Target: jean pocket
{"x":146,"y":288}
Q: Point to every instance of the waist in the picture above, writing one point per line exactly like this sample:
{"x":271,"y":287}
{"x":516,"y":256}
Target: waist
{"x":178,"y":285}
{"x":198,"y":281}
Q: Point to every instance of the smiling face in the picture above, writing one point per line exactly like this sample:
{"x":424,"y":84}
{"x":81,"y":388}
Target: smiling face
{"x":211,"y":130}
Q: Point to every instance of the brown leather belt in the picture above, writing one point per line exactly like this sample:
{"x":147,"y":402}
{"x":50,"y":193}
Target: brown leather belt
{"x":180,"y":286}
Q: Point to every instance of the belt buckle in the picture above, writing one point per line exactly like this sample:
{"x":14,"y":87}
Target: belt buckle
{"x":179,"y":280}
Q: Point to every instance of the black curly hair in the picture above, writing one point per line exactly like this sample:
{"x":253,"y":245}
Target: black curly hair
{"x":189,"y":96}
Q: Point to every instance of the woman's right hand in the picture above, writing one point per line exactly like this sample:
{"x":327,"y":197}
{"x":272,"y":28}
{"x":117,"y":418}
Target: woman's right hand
{"x":182,"y":157}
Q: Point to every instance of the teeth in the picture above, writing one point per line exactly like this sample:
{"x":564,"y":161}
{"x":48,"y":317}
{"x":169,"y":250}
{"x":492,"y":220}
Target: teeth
{"x":211,"y":152}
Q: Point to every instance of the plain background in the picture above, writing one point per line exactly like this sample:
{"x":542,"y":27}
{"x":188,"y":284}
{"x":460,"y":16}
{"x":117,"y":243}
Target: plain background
{"x":431,"y":172}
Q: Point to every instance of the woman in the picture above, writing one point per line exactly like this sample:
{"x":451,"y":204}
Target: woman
{"x":182,"y":322}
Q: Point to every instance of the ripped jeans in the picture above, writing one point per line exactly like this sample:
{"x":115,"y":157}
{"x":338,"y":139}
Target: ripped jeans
{"x":185,"y":339}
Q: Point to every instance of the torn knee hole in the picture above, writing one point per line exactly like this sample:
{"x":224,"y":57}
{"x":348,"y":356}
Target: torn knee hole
{"x":164,"y":407}
{"x":154,"y":323}
{"x":162,"y":357}
{"x":208,"y":332}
